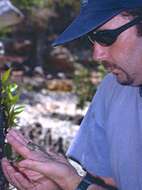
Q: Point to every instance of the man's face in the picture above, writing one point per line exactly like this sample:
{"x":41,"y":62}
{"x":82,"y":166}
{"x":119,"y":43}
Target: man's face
{"x":124,"y":57}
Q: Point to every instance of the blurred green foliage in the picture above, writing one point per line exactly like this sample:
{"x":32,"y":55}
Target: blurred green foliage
{"x":83,"y":86}
{"x":42,"y":3}
{"x":28,"y":4}
{"x":102,"y":70}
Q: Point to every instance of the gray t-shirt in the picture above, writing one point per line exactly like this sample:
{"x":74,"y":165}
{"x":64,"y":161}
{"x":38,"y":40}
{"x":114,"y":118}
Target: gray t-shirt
{"x":109,"y":141}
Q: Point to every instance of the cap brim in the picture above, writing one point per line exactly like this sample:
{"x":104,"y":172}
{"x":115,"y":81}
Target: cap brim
{"x":84,"y":24}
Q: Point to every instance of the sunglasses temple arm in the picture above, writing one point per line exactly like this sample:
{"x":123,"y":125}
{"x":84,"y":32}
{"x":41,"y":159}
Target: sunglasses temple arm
{"x":126,"y":26}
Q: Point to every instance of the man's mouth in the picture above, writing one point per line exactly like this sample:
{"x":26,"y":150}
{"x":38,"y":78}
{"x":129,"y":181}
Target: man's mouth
{"x":108,"y":66}
{"x":111,"y":68}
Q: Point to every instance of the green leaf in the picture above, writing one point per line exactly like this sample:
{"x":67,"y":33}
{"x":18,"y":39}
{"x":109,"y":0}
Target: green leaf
{"x":19,"y":109}
{"x":13,"y":99}
{"x":5,"y":76}
{"x":18,"y":158}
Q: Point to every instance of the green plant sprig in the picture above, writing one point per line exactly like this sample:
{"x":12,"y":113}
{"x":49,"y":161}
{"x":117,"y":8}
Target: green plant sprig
{"x":9,"y":99}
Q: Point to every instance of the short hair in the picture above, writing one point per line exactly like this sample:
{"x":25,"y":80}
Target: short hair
{"x":135,"y":13}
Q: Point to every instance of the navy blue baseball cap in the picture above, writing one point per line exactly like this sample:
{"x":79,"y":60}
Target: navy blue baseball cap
{"x":93,"y":14}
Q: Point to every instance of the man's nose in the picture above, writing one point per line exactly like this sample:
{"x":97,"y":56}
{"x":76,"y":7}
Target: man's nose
{"x":100,"y":53}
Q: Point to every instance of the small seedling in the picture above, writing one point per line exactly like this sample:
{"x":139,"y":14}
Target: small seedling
{"x":9,"y":99}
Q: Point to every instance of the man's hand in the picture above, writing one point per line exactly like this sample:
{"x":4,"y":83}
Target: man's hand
{"x":22,"y":182}
{"x":47,"y":166}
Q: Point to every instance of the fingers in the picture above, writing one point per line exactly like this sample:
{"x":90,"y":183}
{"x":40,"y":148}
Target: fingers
{"x":5,"y":168}
{"x":59,"y":173}
{"x":14,"y":177}
{"x":44,"y":168}
{"x":32,"y":175}
{"x":18,"y":136}
{"x":49,"y":168}
{"x":19,"y":144}
{"x":23,"y":182}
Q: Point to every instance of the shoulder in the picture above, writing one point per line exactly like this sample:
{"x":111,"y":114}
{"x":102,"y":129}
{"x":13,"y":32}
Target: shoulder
{"x":102,"y":98}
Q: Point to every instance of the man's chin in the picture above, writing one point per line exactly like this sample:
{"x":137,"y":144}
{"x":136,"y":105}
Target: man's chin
{"x":124,"y":82}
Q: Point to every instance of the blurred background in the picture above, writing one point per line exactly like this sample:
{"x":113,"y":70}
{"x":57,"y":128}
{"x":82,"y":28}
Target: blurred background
{"x":56,"y":84}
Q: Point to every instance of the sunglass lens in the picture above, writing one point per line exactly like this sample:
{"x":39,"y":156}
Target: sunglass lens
{"x":104,"y":38}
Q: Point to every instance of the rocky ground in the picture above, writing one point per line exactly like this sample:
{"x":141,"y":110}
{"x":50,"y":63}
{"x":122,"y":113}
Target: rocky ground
{"x":50,"y":119}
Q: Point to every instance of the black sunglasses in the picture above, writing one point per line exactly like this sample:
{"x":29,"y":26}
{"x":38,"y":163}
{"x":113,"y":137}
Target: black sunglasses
{"x":108,"y":37}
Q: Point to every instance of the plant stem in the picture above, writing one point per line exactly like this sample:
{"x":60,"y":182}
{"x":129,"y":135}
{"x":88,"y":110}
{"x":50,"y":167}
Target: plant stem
{"x":3,"y":181}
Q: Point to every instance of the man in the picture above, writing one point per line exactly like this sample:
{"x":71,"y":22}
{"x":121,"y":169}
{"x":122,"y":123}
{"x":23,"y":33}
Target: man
{"x":108,"y":144}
